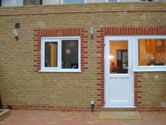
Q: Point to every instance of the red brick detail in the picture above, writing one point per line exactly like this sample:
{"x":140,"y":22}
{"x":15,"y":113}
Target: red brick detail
{"x":135,"y":31}
{"x":60,"y":32}
{"x":137,"y":89}
{"x":100,"y":68}
{"x":56,"y":108}
{"x":79,"y":109}
{"x":100,"y":52}
{"x":151,"y":109}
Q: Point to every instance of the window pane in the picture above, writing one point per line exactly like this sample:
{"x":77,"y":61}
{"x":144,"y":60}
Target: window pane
{"x":112,"y":0}
{"x":70,"y":54}
{"x":152,"y":52}
{"x":12,"y":2}
{"x":118,"y":57}
{"x":51,"y":52}
{"x":72,"y":1}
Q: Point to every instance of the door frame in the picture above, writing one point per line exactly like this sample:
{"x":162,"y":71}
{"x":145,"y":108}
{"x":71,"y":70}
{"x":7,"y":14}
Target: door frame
{"x":107,"y":66}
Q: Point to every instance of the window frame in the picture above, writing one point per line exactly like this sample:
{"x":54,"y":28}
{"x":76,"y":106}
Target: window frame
{"x":59,"y":66}
{"x":136,"y":53}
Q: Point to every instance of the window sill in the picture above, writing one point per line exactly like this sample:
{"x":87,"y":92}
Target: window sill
{"x":150,"y":69}
{"x":60,"y":70}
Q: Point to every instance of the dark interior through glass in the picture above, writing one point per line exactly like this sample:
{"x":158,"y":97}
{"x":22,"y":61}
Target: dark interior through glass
{"x":70,"y":54}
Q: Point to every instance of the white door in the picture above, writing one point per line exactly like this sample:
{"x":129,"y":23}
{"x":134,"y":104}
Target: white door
{"x":119,"y":85}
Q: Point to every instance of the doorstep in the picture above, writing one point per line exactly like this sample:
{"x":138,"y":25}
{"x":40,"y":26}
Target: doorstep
{"x":4,"y":113}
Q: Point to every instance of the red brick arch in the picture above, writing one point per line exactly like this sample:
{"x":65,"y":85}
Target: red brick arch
{"x":61,"y":32}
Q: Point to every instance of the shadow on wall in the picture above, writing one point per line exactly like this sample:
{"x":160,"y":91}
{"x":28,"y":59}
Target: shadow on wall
{"x":0,"y":102}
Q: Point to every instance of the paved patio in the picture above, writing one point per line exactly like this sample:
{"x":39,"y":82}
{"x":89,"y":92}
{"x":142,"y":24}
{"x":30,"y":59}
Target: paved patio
{"x":22,"y":117}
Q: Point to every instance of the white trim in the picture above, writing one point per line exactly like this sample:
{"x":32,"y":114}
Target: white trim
{"x":119,"y":107}
{"x":59,"y":66}
{"x":64,"y":38}
{"x":106,"y":72}
{"x":117,"y":75}
{"x":62,"y":70}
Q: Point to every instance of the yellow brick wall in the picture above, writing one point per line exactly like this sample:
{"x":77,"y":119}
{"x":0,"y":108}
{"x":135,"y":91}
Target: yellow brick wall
{"x":19,"y":84}
{"x":153,"y":89}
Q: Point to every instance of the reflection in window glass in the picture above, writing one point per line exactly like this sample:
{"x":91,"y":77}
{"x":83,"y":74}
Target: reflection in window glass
{"x":72,"y":1}
{"x":118,"y":57}
{"x":152,"y":52}
{"x":70,"y":54}
{"x":51,"y":54}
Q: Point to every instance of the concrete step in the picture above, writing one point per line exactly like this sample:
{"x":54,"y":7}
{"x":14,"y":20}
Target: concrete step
{"x":4,"y":113}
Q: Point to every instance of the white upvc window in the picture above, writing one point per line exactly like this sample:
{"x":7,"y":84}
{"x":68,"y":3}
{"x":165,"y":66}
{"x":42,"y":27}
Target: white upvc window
{"x":150,"y":53}
{"x":6,"y":3}
{"x":60,"y":54}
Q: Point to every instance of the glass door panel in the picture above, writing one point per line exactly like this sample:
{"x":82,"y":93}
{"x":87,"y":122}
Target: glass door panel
{"x":118,"y":57}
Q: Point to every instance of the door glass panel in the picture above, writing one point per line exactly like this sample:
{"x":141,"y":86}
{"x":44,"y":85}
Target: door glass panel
{"x":118,"y":57}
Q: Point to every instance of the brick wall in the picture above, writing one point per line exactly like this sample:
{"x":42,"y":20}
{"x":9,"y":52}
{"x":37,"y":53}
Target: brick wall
{"x":21,"y":86}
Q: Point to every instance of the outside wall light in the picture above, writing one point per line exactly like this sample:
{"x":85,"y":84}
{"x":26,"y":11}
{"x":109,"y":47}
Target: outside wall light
{"x":91,"y":32}
{"x":15,"y":34}
{"x":92,"y":103}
